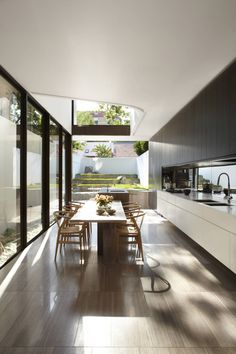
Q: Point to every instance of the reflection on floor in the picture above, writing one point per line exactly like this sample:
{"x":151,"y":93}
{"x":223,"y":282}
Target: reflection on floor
{"x":179,"y":301}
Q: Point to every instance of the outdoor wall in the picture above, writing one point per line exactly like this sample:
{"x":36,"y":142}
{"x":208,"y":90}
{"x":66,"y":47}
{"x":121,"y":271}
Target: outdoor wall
{"x":118,"y":165}
{"x":143,"y":168}
{"x":75,"y":164}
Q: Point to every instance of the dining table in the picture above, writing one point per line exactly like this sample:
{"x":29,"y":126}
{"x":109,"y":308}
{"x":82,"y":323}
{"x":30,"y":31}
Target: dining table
{"x":88,"y":213}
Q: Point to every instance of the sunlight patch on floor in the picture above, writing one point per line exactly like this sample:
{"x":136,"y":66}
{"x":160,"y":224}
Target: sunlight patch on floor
{"x":41,"y":248}
{"x":151,"y":217}
{"x":13,"y":271}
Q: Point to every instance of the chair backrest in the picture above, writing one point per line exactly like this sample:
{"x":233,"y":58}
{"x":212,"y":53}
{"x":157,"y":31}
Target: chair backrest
{"x":61,"y":218}
{"x":132,"y":208}
{"x":70,"y":209}
{"x":131,"y":205}
{"x":57,"y":217}
{"x":76,"y":205}
{"x":137,"y":219}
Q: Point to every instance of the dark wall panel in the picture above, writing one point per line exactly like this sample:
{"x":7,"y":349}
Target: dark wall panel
{"x":204,"y":129}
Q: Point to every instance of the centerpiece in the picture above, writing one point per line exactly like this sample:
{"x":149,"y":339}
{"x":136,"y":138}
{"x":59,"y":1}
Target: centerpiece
{"x":104,"y":204}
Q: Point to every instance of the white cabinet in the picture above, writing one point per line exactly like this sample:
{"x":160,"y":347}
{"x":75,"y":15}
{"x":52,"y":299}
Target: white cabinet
{"x":233,"y":252}
{"x":191,"y":218}
{"x":162,"y":207}
{"x":216,"y":241}
{"x":187,"y":222}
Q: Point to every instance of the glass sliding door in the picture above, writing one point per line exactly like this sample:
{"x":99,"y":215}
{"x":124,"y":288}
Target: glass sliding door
{"x":53,"y":168}
{"x":10,"y":119}
{"x":34,"y":171}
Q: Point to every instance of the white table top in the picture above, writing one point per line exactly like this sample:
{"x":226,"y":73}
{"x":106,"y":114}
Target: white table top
{"x":88,"y":213}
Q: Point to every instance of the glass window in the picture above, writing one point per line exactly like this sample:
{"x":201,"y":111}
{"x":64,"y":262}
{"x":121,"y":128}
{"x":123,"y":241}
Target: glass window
{"x":10,"y":117}
{"x":34,"y":171}
{"x":54,"y":168}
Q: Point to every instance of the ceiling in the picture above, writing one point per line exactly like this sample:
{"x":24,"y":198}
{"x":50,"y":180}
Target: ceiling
{"x":155,"y":55}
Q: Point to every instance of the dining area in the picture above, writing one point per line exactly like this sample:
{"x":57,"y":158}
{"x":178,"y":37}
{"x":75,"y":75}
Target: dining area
{"x":93,"y":304}
{"x":114,"y":224}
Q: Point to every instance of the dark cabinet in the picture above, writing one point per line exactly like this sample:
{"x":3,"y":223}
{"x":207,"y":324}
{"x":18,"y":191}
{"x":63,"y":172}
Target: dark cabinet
{"x":204,"y":129}
{"x":231,"y":108}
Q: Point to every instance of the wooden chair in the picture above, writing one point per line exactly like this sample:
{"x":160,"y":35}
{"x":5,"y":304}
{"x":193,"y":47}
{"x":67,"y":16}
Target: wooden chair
{"x":130,"y":205}
{"x":69,"y":234}
{"x":132,"y":208}
{"x":71,"y":209}
{"x":130,"y":233}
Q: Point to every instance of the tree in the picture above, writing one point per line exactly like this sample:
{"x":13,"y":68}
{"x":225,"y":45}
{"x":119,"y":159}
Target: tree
{"x":114,"y":114}
{"x":84,"y":118}
{"x":78,"y":145}
{"x":140,"y":147}
{"x":103,"y":151}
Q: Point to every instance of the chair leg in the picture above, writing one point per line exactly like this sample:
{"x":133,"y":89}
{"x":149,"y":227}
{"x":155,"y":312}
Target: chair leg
{"x":82,"y":246}
{"x":87,"y":235}
{"x":84,"y":242}
{"x":89,"y":231}
{"x":61,"y":245}
{"x":140,"y":246}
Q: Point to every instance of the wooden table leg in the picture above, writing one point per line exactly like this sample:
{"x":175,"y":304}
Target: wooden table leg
{"x":106,"y":241}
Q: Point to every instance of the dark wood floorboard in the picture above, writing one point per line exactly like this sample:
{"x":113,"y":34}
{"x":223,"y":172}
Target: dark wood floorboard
{"x":180,"y":301}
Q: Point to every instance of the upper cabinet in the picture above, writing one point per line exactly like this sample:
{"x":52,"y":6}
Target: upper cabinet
{"x":206,"y":127}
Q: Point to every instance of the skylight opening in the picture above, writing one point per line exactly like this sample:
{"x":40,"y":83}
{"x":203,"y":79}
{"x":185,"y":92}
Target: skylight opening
{"x":89,"y":113}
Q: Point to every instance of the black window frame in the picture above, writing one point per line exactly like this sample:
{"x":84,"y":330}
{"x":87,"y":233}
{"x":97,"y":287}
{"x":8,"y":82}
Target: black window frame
{"x":27,"y":97}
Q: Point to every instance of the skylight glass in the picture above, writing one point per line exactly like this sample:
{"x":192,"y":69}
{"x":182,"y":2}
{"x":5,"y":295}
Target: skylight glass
{"x":89,"y":113}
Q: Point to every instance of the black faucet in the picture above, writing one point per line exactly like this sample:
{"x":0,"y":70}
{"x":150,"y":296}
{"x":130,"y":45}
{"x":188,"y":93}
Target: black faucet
{"x":229,"y":196}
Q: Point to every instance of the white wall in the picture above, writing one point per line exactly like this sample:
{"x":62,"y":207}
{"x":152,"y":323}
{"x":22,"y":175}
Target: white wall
{"x":75,"y":164}
{"x":143,"y":168}
{"x":58,"y":107}
{"x":117,"y":165}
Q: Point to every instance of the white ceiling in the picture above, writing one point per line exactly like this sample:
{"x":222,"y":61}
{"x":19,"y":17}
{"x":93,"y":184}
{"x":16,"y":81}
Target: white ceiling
{"x":151,"y":54}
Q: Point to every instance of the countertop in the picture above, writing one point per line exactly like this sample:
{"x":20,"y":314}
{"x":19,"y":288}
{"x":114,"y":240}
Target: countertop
{"x":229,"y":209}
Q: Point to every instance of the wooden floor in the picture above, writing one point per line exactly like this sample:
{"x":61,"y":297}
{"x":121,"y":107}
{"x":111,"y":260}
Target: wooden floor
{"x":105,"y":307}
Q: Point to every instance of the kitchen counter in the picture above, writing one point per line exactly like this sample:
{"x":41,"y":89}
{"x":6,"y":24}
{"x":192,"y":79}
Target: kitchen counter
{"x":116,"y":193}
{"x":212,"y":227}
{"x":229,"y":209}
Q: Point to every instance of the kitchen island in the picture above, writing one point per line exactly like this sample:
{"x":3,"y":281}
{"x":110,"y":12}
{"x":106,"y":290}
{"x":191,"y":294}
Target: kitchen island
{"x":212,"y":227}
{"x":116,"y":193}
